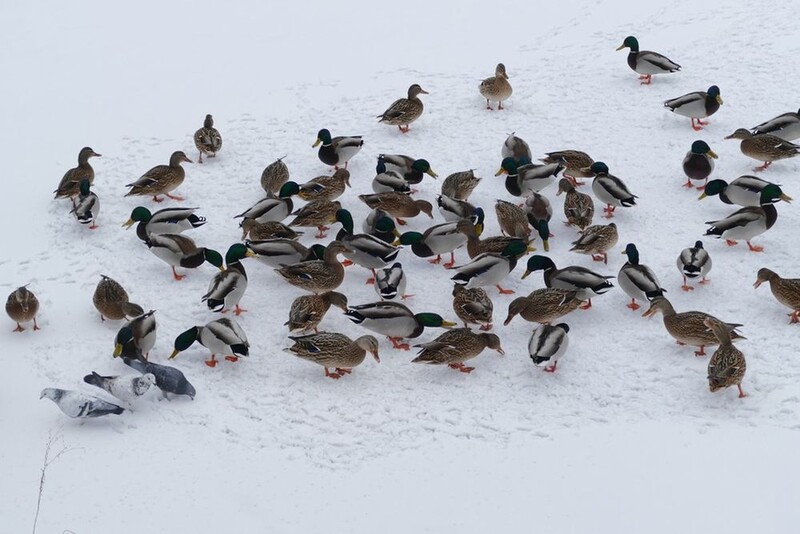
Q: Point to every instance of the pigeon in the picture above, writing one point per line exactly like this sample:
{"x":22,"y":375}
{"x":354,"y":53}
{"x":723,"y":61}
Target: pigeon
{"x":125,"y":388}
{"x":77,"y":404}
{"x":168,"y":379}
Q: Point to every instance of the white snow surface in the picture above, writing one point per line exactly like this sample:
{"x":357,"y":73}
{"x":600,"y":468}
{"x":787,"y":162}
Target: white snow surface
{"x":624,"y":437}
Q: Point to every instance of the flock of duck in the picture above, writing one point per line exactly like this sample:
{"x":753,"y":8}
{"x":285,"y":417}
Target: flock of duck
{"x":272,"y":237}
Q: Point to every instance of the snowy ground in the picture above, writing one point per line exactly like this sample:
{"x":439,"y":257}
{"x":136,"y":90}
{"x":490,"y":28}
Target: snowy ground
{"x":624,"y":437}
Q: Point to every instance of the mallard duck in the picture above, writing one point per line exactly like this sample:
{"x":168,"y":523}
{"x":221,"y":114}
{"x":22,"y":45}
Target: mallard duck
{"x":277,"y":251}
{"x":404,"y":111}
{"x":785,"y":126}
{"x":489,"y":269}
{"x":764,"y":147}
{"x":727,"y":365}
{"x":544,"y":305}
{"x":610,"y":190}
{"x":363,"y":249}
{"x":332,"y":350}
{"x":111,"y":300}
{"x":460,"y":185}
{"x":512,"y":219}
{"x":539,"y":211}
{"x":137,"y":337}
{"x":257,"y":231}
{"x":379,"y":224}
{"x":207,"y":139}
{"x":325,"y":187}
{"x":272,"y":208}
{"x":745,"y":191}
{"x":688,"y":328}
{"x":161,"y":179}
{"x":22,"y":306}
{"x":473,"y":306}
{"x":577,"y":164}
{"x":637,"y":280}
{"x":307,"y":311}
{"x":693,"y":262}
{"x":696,"y":106}
{"x":166,"y":221}
{"x":494,"y":244}
{"x":228,"y":286}
{"x":180,"y":251}
{"x":317,"y":276}
{"x":78,"y":405}
{"x":412,"y":170}
{"x":395,"y":321}
{"x":496,"y":88}
{"x":88,"y":206}
{"x":516,"y":147}
{"x":69,"y":186}
{"x":785,"y":290}
{"x":548,"y":344}
{"x":745,"y":223}
{"x":453,"y":209}
{"x":578,"y":207}
{"x":317,"y":213}
{"x":222,"y":336}
{"x":456,"y":346}
{"x":386,"y":180}
{"x":337,"y":151}
{"x":436,"y":240}
{"x":391,"y":282}
{"x":646,"y":62}
{"x":587,"y":283}
{"x":522,"y":180}
{"x":698,"y":164}
{"x":398,"y":205}
{"x":274,"y":176}
{"x":596,"y":241}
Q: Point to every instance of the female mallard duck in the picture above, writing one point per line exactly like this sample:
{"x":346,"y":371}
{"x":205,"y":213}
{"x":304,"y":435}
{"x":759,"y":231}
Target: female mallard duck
{"x":544,"y":305}
{"x":727,"y":365}
{"x":516,"y":147}
{"x":404,"y":111}
{"x":637,"y":280}
{"x":317,"y":276}
{"x":698,"y":164}
{"x":180,"y":251}
{"x":693,"y":262}
{"x":325,"y":187}
{"x":277,"y":251}
{"x":596,"y":241}
{"x":391,"y":282}
{"x":87,"y":208}
{"x":207,"y":139}
{"x":453,"y":210}
{"x":22,"y":306}
{"x":395,"y":321}
{"x":548,"y":344}
{"x":522,"y":180}
{"x":69,"y":186}
{"x":111,"y":300}
{"x":363,"y":249}
{"x":610,"y":190}
{"x":332,"y":350}
{"x":785,"y":126}
{"x":646,"y":62}
{"x":456,"y":346}
{"x":688,"y":328}
{"x":228,"y":286}
{"x":257,"y":231}
{"x":745,"y":191}
{"x":745,"y":223}
{"x":512,"y":219}
{"x":337,"y":151}
{"x":271,"y":208}
{"x":473,"y":306}
{"x":489,"y":269}
{"x":764,"y":147}
{"x":307,"y":311}
{"x":587,"y":283}
{"x":166,"y":221}
{"x":398,"y":205}
{"x":785,"y":290}
{"x":436,"y":240}
{"x":697,"y":105}
{"x":496,"y":88}
{"x":493,"y":245}
{"x":460,"y":185}
{"x":577,"y":164}
{"x":578,"y":207}
{"x":412,"y":170}
{"x":386,"y":181}
{"x":161,"y":179}
{"x":137,"y":338}
{"x":274,"y":176}
{"x":317,"y":213}
{"x":222,"y":336}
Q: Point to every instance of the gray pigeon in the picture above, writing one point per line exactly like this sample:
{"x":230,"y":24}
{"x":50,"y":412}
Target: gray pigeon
{"x":125,"y":388}
{"x":168,"y":379}
{"x":77,"y":404}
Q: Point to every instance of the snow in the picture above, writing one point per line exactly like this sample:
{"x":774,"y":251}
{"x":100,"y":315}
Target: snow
{"x":624,"y":436}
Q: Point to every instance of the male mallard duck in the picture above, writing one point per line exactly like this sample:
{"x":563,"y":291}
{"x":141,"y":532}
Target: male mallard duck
{"x":337,"y":151}
{"x":539,"y":211}
{"x":494,"y":244}
{"x":646,"y":62}
{"x":688,"y":328}
{"x":166,"y":221}
{"x":438,"y":240}
{"x":577,"y":164}
{"x":596,"y":240}
{"x":22,"y":306}
{"x":578,"y":207}
{"x":696,"y":106}
{"x":489,"y":269}
{"x":161,"y":179}
{"x":460,"y":185}
{"x":610,"y":190}
{"x":785,"y":290}
{"x":379,"y":224}
{"x":404,"y":111}
{"x":325,"y":187}
{"x":111,"y":300}
{"x":522,"y":180}
{"x":207,"y":139}
{"x":87,"y":208}
{"x":512,"y":219}
{"x":274,"y":176}
{"x":496,"y":87}
{"x":391,"y":282}
{"x":727,"y":365}
{"x":332,"y":350}
{"x":544,"y":305}
{"x":69,"y":186}
{"x":363,"y":249}
{"x":222,"y":336}
{"x":137,"y":337}
{"x":180,"y":251}
{"x":277,"y":251}
{"x":745,"y":223}
{"x":386,"y":181}
{"x":398,"y":205}
{"x":271,"y":208}
{"x":317,"y":213}
{"x":637,"y":280}
{"x":395,"y":321}
{"x":317,"y":276}
{"x":516,"y":147}
{"x":785,"y":126}
{"x":452,"y":209}
{"x":228,"y":286}
{"x":764,"y":147}
{"x":587,"y":283}
{"x":698,"y":164}
{"x":693,"y":262}
{"x":412,"y":170}
{"x":745,"y":191}
{"x":456,"y":346}
{"x":257,"y":231}
{"x":473,"y":306}
{"x":548,"y":344}
{"x":307,"y":311}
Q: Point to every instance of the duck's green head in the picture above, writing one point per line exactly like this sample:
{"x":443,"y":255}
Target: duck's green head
{"x":632,"y":253}
{"x":630,"y":42}
{"x":478,"y":217}
{"x":385,"y":225}
{"x":139,"y":214}
{"x":507,"y":166}
{"x":598,"y":167}
{"x":701,"y":147}
{"x":237,"y":252}
{"x":324,"y":137}
{"x":538,"y":263}
{"x":713,"y":92}
{"x":185,"y":340}
{"x":410,"y":238}
{"x":343,"y":216}
{"x":543,"y":229}
{"x":422,"y":165}
{"x":515,"y":249}
{"x":84,"y":186}
{"x":714,"y":187}
{"x":288,"y":189}
{"x":433,"y":320}
{"x":315,"y":252}
{"x":124,"y":336}
{"x":213,"y":257}
{"x":772,"y":193}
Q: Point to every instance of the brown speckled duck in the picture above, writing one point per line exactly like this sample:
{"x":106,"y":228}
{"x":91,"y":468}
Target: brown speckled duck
{"x":70,"y":184}
{"x":577,"y":164}
{"x":496,"y":88}
{"x":764,"y":147}
{"x":325,"y":187}
{"x":274,"y":176}
{"x":207,"y":139}
{"x":404,"y":111}
{"x":333,"y":350}
{"x":22,"y":306}
{"x":317,"y":276}
{"x":317,"y":213}
{"x":544,"y":305}
{"x":473,"y":306}
{"x":161,"y":179}
{"x":308,"y":310}
{"x":456,"y":346}
{"x":398,"y":205}
{"x":785,"y":290}
{"x":111,"y":300}
{"x":727,"y":365}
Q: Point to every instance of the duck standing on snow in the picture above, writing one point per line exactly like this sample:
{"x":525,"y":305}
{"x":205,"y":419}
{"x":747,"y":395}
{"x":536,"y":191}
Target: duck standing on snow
{"x":138,"y":337}
{"x":453,"y":209}
{"x":489,"y":269}
{"x":512,"y":219}
{"x":785,"y":126}
{"x":271,"y":208}
{"x":161,"y":179}
{"x":610,"y":190}
{"x":268,"y":230}
{"x":473,"y":306}
{"x":325,"y":187}
{"x":727,"y":365}
{"x":697,"y":105}
{"x":587,"y":283}
{"x":180,"y":251}
{"x":596,"y":241}
{"x":77,"y":404}
{"x":404,"y":111}
{"x":637,"y":280}
{"x":578,"y":207}
{"x":785,"y":290}
{"x":412,"y":170}
{"x":168,"y":379}
{"x":391,"y":282}
{"x":516,"y":147}
{"x":336,"y":151}
{"x":277,"y":251}
{"x":317,"y":214}
{"x":544,"y":305}
{"x":386,"y":180}
{"x":111,"y":300}
{"x":698,"y":164}
{"x":764,"y":147}
{"x":274,"y":176}
{"x":317,"y":276}
{"x":745,"y":223}
{"x":460,"y":185}
{"x":398,"y":205}
{"x":333,"y":350}
{"x":745,"y":191}
{"x":69,"y":186}
{"x":577,"y":164}
{"x":522,"y":180}
{"x":307,"y":311}
{"x":166,"y":221}
{"x":223,"y":336}
{"x":496,"y":88}
{"x":363,"y":249}
{"x":228,"y":286}
{"x":456,"y":346}
{"x":87,"y":208}
{"x":436,"y":240}
{"x":395,"y":321}
{"x":694,"y":262}
{"x":646,"y":62}
{"x":493,"y":245}
{"x":125,"y":388}
{"x":22,"y":306}
{"x":207,"y":139}
{"x":548,"y":344}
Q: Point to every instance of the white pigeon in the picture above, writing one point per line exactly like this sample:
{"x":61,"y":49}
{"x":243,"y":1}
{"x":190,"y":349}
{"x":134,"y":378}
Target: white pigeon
{"x":77,"y":404}
{"x":126,"y":388}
